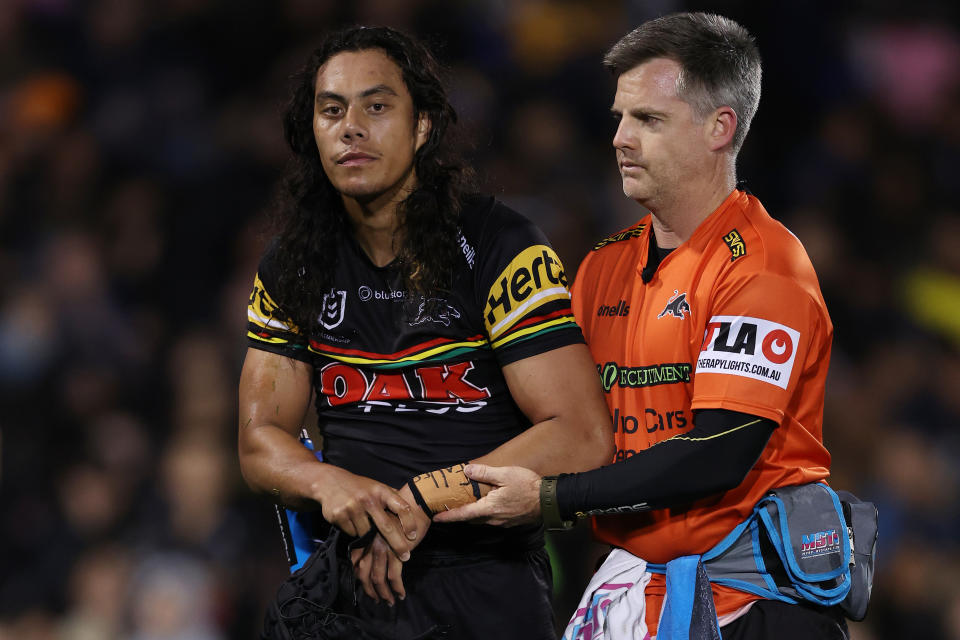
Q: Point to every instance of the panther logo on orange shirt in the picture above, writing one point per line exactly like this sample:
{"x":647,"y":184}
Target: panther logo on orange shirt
{"x":676,"y":306}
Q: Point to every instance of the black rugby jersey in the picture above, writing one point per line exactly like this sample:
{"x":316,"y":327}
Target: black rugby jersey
{"x":404,"y":387}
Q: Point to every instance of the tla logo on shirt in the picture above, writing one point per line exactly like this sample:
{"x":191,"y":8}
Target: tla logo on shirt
{"x":749,"y":347}
{"x":676,"y":305}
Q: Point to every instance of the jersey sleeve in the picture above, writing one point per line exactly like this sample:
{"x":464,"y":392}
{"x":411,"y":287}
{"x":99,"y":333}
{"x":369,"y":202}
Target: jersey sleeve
{"x":268,"y":327}
{"x":766,"y":334}
{"x":522,"y":290}
{"x":580,"y":298}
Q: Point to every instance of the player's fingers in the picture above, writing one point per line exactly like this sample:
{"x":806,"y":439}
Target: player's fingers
{"x":362,"y":573}
{"x":355,"y":555}
{"x":389,"y":528}
{"x":405,"y":515}
{"x":360,"y":524}
{"x":394,"y":571}
{"x":347,"y":526}
{"x":378,"y":572}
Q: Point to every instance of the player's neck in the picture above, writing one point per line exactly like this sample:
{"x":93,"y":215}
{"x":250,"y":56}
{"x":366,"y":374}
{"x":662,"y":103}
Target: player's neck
{"x":676,"y":219}
{"x":376,"y":222}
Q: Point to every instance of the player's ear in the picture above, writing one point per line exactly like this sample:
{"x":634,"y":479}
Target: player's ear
{"x":720,"y":127}
{"x":423,"y":128}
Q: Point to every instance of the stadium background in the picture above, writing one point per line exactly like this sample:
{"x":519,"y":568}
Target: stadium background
{"x":139,"y":150}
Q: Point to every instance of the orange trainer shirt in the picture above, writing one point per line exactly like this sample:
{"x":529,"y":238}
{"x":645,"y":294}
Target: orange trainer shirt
{"x":732,"y":319}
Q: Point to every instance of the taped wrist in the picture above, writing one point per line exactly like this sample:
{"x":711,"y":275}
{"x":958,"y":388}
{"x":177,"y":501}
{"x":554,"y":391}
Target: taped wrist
{"x":443,"y":489}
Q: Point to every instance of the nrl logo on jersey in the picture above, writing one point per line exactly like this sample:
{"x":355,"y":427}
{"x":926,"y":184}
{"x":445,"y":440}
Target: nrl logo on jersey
{"x":334,"y":305}
{"x":677,"y":306}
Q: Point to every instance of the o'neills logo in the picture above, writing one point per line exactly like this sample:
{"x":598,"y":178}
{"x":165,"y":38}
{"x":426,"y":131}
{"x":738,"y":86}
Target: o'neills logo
{"x":533,"y":278}
{"x":650,"y":376}
{"x":468,"y":252}
{"x":620,"y":309}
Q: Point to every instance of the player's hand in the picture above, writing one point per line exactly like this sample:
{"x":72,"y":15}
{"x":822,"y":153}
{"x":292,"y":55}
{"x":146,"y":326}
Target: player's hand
{"x":351,"y":502}
{"x":515,"y":499}
{"x":378,"y":569}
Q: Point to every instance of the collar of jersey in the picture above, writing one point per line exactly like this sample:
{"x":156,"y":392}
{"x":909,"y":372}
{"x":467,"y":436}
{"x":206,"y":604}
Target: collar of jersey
{"x":700,"y":235}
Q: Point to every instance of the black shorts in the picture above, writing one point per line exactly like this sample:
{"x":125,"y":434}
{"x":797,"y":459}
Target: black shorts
{"x":783,"y":621}
{"x":504,"y":597}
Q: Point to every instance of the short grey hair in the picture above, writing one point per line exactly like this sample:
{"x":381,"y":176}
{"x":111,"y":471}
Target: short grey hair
{"x":719,"y":62}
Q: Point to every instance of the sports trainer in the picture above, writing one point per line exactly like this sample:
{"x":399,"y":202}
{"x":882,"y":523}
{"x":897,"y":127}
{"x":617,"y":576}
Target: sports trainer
{"x":707,"y":325}
{"x":433,"y":327}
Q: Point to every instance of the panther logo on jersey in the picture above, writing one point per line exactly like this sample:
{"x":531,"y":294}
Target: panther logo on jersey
{"x":677,"y":306}
{"x":334,"y":305}
{"x":435,"y":310}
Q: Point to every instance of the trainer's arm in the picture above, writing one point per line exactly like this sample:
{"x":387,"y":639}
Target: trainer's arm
{"x":713,"y":457}
{"x":274,"y":397}
{"x":559,"y":392}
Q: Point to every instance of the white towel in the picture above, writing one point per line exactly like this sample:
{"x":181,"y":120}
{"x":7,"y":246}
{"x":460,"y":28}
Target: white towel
{"x":613,"y":605}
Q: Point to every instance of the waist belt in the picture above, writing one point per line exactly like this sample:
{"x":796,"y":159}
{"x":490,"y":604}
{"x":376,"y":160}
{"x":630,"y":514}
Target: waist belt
{"x":805,"y":542}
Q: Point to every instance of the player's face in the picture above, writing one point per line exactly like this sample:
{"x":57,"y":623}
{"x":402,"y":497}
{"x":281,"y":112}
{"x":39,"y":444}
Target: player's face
{"x":659,"y":141}
{"x":364,"y":123}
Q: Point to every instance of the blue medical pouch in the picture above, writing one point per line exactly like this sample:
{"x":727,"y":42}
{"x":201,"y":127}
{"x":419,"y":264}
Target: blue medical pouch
{"x":803,"y":542}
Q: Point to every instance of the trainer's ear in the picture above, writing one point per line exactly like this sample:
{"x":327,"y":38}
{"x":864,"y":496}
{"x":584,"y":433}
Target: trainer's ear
{"x":720,"y":127}
{"x":424,"y":125}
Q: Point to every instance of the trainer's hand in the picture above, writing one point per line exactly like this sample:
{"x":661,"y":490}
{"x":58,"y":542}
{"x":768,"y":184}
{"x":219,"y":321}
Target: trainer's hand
{"x":514,"y":500}
{"x":350,"y":502}
{"x":378,"y":569}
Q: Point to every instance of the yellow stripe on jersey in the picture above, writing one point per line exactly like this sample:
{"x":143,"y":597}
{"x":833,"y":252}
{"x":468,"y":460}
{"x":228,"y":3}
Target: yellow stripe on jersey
{"x":532,"y":329}
{"x":416,"y":357}
{"x":262,"y":308}
{"x":533,"y":278}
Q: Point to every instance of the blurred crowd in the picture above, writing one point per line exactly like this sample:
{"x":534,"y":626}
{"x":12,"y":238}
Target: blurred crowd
{"x":140,"y":148}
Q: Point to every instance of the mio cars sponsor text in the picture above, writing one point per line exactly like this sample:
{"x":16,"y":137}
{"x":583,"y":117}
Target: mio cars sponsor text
{"x":749,"y":347}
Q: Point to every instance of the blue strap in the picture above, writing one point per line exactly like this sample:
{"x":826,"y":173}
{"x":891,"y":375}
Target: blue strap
{"x":688,"y":611}
{"x":301,"y":524}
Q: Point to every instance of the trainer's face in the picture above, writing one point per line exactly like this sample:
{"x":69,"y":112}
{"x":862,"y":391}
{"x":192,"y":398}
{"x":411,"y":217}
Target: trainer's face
{"x":659,"y":141}
{"x":364,"y":123}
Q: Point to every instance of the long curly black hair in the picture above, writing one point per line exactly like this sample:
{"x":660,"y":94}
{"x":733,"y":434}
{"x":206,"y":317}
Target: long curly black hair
{"x":311,"y":215}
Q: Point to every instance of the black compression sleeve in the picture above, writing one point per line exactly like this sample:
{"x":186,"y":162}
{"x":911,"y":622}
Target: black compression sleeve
{"x":712,"y":457}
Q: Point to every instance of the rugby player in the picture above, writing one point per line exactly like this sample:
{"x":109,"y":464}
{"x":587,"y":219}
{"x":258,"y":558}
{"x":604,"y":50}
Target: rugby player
{"x":433,"y":327}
